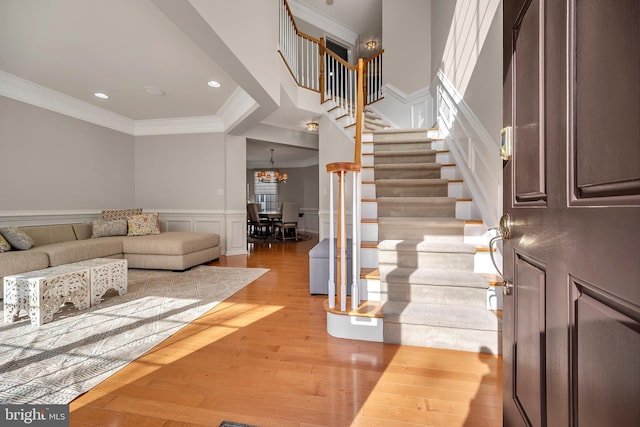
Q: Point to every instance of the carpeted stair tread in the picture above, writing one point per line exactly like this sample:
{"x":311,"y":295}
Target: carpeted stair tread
{"x":405,"y":153}
{"x":425,"y":246}
{"x":416,"y":182}
{"x":406,"y":135}
{"x":444,"y":222}
{"x":417,"y":200}
{"x":441,"y":315}
{"x":404,"y":166}
{"x":432,"y":276}
{"x":417,"y":206}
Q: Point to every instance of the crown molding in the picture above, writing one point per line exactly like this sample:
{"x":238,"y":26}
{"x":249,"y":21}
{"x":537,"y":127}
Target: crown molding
{"x":182,"y":125}
{"x":238,"y":106}
{"x":322,"y":21}
{"x":31,"y":93}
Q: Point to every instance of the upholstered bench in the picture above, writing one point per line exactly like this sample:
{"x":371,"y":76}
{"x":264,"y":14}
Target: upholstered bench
{"x":319,"y":267}
{"x":171,"y":250}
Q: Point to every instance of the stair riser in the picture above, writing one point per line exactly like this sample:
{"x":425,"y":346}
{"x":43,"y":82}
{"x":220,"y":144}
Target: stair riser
{"x":439,"y":260}
{"x":431,"y":210}
{"x":448,"y":295}
{"x":402,"y":146}
{"x":438,"y":190}
{"x":406,"y":232}
{"x":445,"y":338}
{"x":405,"y":173}
{"x":403,"y":159}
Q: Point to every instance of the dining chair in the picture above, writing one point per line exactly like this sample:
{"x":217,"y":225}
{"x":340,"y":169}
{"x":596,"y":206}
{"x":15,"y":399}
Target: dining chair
{"x":288,"y":220}
{"x":259,"y":226}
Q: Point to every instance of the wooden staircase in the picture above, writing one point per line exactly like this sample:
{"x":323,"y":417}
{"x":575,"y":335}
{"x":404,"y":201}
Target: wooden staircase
{"x":431,"y":295}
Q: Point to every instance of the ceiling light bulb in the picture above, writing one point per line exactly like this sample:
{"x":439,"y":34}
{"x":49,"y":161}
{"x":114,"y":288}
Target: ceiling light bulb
{"x":371,"y":44}
{"x":213,"y":83}
{"x":101,"y":95}
{"x":312,"y":126}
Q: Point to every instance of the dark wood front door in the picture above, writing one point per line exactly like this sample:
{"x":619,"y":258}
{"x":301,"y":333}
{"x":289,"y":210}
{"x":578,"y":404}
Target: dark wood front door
{"x":572,"y":190}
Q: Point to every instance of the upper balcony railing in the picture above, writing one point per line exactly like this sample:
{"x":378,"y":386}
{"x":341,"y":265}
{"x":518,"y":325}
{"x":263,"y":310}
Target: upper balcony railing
{"x":314,"y":67}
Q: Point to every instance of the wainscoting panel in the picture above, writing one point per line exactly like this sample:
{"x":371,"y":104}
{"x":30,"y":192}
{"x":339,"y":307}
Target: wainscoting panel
{"x":236,"y":242}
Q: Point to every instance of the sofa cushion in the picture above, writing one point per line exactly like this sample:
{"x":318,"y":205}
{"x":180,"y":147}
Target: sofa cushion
{"x":111,"y":214}
{"x":83,"y":231}
{"x":80,"y":250}
{"x":4,"y":245}
{"x":143,"y":224}
{"x":20,"y":261}
{"x":47,"y":234}
{"x":170,"y":243}
{"x":102,"y":228}
{"x":17,"y":238}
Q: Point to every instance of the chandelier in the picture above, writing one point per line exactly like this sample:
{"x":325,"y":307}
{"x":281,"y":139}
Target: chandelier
{"x":271,"y":175}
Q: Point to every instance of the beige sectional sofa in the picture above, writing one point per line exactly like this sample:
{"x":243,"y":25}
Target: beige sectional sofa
{"x":66,"y":243}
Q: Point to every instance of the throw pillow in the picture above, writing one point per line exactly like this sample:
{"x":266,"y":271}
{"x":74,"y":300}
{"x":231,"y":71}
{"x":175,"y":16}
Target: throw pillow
{"x":143,"y":224}
{"x":113,"y":214}
{"x":117,"y":227}
{"x":4,"y":245}
{"x":16,"y":238}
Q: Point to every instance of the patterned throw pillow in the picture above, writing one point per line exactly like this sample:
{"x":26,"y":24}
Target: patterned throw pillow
{"x":113,"y":214}
{"x":117,"y":227}
{"x":143,"y":224}
{"x":17,"y":238}
{"x":4,"y":245}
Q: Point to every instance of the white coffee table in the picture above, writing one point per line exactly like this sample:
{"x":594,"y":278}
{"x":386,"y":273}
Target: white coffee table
{"x":41,"y":293}
{"x":106,"y":273}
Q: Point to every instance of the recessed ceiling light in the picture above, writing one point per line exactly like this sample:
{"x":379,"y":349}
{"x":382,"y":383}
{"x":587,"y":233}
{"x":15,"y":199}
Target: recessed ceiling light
{"x":213,"y":83}
{"x":101,"y":95}
{"x":152,"y":90}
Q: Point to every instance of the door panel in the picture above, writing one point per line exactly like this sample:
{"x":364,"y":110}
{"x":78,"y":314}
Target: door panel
{"x":606,"y":68}
{"x":529,"y":366}
{"x":605,"y":359}
{"x":529,"y":175}
{"x":571,"y":334}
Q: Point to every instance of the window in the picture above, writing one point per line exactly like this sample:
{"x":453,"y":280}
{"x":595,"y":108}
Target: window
{"x":266,"y":194}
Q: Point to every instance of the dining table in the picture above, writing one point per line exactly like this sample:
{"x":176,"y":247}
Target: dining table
{"x":272,"y":216}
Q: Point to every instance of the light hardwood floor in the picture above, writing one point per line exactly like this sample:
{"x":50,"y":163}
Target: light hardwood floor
{"x":263,"y":357}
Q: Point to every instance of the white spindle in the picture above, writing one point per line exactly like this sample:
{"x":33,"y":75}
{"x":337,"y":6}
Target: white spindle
{"x":355,"y":259}
{"x":343,"y":247}
{"x":331,"y":293}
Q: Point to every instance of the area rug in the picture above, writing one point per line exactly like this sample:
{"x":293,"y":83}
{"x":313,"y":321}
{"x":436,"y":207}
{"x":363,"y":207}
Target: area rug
{"x":56,"y":362}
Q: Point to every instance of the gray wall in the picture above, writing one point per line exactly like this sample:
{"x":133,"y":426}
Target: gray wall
{"x":442,"y":14}
{"x":50,"y":161}
{"x":484,"y":92}
{"x":302,"y":187}
{"x":406,"y":38}
{"x":181,"y":171}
